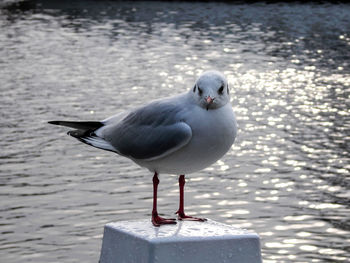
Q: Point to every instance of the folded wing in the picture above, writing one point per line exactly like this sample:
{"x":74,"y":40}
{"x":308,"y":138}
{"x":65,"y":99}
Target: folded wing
{"x":149,"y":133}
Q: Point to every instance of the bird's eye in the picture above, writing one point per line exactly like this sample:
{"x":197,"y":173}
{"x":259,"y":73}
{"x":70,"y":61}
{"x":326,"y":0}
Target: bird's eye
{"x":194,"y":88}
{"x":200,"y":91}
{"x":221,"y":90}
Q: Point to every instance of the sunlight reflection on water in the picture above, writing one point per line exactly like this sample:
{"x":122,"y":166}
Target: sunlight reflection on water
{"x":286,"y":177}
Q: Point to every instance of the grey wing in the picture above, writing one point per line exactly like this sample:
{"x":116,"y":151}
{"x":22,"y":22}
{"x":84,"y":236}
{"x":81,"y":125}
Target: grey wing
{"x":149,"y":133}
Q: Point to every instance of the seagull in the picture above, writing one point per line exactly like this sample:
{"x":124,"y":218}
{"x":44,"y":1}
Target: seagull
{"x":175,"y":135}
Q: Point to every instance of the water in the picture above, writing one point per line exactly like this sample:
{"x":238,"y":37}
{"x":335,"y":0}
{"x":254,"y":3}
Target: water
{"x":286,"y":177}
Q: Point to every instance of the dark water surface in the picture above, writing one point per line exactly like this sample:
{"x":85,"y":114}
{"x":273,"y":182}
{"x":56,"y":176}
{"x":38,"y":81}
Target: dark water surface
{"x":286,"y":177}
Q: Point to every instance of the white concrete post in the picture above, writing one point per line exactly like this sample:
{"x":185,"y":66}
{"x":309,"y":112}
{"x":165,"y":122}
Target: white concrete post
{"x":192,"y":242}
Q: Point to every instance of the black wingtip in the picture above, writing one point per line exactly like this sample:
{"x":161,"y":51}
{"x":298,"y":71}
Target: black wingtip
{"x":54,"y":122}
{"x":80,"y":125}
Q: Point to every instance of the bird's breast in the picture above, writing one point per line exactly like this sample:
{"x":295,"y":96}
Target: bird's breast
{"x":213,"y":133}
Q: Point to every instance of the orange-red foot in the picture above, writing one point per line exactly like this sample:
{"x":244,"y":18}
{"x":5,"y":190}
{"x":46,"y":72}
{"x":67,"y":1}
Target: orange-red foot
{"x":158,"y":221}
{"x":182,"y":216}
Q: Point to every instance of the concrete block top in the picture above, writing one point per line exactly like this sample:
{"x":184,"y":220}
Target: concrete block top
{"x":182,"y":231}
{"x":188,"y":241}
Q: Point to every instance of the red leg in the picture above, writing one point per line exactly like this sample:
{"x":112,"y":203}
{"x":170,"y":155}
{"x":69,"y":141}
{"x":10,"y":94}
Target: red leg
{"x":156,"y":219}
{"x":181,"y":213}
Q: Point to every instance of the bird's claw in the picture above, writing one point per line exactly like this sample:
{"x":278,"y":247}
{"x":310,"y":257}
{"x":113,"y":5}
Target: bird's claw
{"x":158,"y":221}
{"x":182,"y":216}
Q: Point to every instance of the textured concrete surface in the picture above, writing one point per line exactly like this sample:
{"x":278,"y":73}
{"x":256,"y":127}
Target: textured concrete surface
{"x":203,"y":242}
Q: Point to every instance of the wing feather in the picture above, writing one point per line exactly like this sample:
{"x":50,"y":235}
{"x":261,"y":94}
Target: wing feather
{"x":150,"y":132}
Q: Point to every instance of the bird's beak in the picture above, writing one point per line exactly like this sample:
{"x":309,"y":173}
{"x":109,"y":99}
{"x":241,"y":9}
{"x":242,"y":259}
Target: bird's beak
{"x":209,"y":101}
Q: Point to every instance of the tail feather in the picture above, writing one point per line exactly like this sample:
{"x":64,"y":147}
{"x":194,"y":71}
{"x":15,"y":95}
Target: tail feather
{"x":85,"y":132}
{"x":92,"y":139}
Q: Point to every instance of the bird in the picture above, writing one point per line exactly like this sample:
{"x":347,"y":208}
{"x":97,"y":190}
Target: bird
{"x":177,"y":135}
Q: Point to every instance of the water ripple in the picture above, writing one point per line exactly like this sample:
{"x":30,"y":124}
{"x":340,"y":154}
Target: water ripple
{"x":286,"y":177}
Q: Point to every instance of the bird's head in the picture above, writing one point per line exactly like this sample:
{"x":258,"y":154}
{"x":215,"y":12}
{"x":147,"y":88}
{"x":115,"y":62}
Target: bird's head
{"x":211,"y":90}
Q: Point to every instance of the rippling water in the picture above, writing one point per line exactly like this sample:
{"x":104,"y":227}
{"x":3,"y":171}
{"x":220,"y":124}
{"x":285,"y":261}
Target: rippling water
{"x":286,"y":177}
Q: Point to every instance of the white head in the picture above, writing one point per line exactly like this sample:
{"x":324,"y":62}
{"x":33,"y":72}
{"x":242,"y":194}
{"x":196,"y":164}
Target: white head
{"x":211,"y":90}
